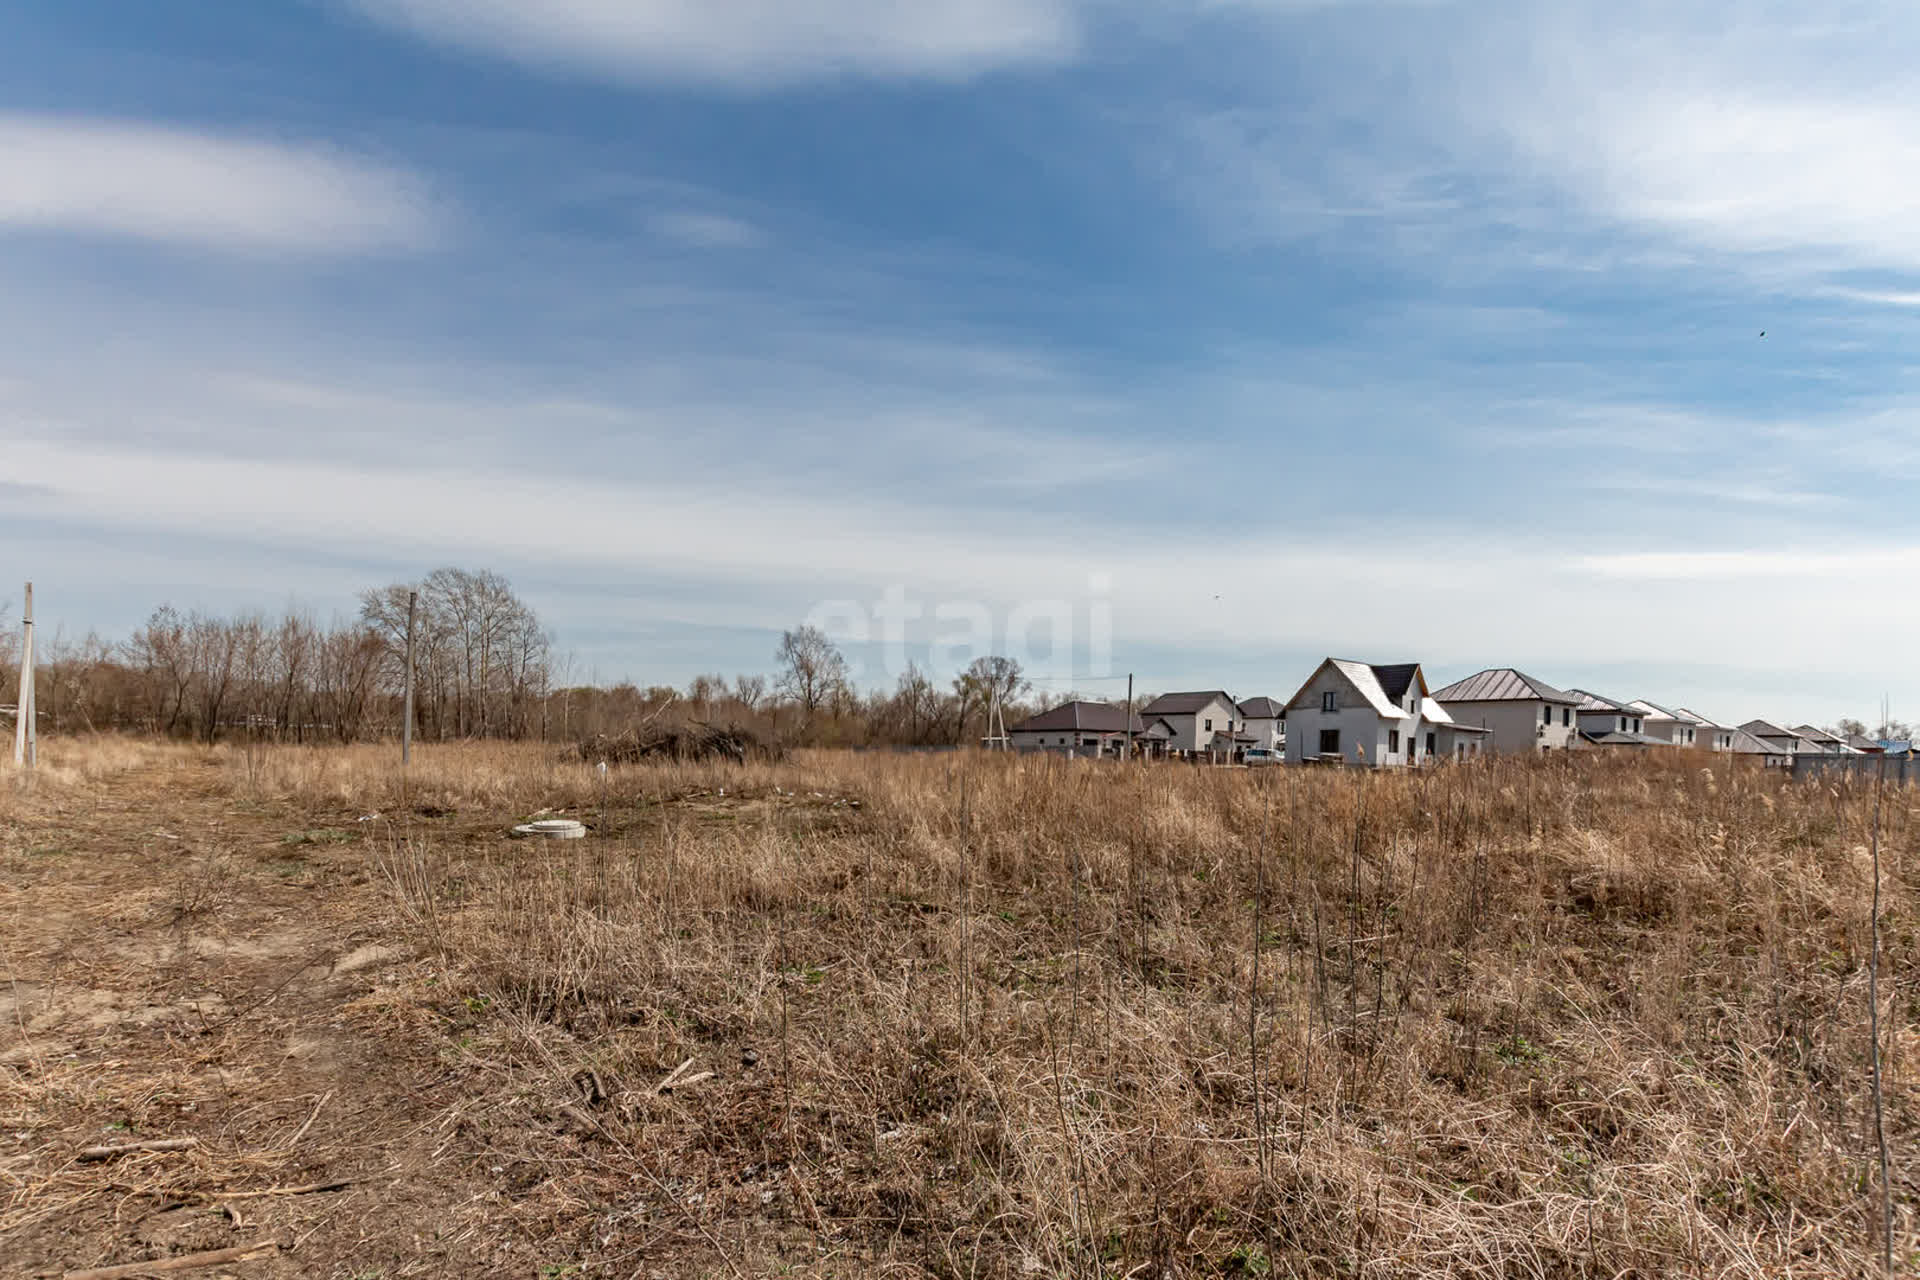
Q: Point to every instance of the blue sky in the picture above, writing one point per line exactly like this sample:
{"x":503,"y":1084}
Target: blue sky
{"x":1392,"y":330}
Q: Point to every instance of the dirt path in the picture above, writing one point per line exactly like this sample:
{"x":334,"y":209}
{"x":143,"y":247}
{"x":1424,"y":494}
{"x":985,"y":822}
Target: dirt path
{"x":178,"y":964}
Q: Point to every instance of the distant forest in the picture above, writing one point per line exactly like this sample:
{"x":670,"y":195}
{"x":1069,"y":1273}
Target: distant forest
{"x":484,"y":667}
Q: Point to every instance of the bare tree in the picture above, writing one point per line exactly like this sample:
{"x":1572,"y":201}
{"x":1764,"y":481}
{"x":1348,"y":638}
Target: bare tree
{"x":159,"y":652}
{"x":750,"y":691}
{"x":986,"y":682}
{"x":212,"y":650}
{"x":812,"y":671}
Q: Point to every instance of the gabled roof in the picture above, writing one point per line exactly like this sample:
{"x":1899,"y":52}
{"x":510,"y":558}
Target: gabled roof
{"x":1812,"y":734}
{"x":1156,"y":728}
{"x":1861,"y":742}
{"x":1657,"y":712}
{"x":1705,"y":721}
{"x":1084,"y":717}
{"x":1186,"y":704}
{"x":1594,"y":702}
{"x":1395,"y":677}
{"x":1372,"y":684}
{"x":1767,"y":729}
{"x":1746,"y":744}
{"x":1502,"y":684}
{"x":1263,"y":709}
{"x":1433,"y":713}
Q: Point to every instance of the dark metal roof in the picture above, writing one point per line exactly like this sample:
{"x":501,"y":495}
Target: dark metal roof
{"x":1766,"y":729}
{"x":1503,"y":684}
{"x":1086,"y":717}
{"x":1185,"y":704}
{"x":1263,"y":709}
{"x":1614,"y":738}
{"x":1594,"y":702}
{"x":1395,"y":678}
{"x":1747,"y":744}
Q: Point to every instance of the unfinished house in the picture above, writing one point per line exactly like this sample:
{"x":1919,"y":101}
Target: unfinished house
{"x":1518,"y":712}
{"x":1365,"y":714}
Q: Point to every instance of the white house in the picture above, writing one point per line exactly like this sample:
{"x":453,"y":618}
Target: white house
{"x":1713,"y":735}
{"x":1195,"y":718}
{"x":1769,"y":753}
{"x":1519,"y":712}
{"x":1785,"y":741}
{"x":1820,"y":740}
{"x":1668,"y":723}
{"x":1265,"y":721}
{"x":1075,"y":728}
{"x":1606,"y":723}
{"x":1360,"y":713}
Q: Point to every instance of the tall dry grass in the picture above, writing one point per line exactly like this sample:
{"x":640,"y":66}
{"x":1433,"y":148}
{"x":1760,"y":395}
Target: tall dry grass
{"x":982,"y":1016}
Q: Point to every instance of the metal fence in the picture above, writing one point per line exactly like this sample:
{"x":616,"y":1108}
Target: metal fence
{"x":1899,"y":768}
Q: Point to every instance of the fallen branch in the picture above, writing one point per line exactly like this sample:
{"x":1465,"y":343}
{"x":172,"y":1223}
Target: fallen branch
{"x":340,"y":1184}
{"x":672,"y":1077}
{"x":185,"y":1262}
{"x":310,"y":1119}
{"x":89,"y":1155}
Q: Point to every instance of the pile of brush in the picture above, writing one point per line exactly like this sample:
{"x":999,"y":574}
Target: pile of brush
{"x":674,"y":742}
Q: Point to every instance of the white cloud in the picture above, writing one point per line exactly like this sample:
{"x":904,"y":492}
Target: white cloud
{"x":707,"y":230}
{"x":213,"y":191}
{"x":749,"y":43}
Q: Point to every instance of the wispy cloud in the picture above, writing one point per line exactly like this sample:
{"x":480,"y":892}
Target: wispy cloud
{"x":707,"y":230}
{"x":749,"y":44}
{"x":208,"y":190}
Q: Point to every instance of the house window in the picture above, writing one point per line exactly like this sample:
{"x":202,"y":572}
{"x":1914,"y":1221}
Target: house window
{"x":1566,"y":715}
{"x":1429,"y":744}
{"x":1329,"y":702}
{"x":1623,"y":724}
{"x":1209,"y":724}
{"x":1329,"y":741}
{"x":1393,"y":741}
{"x":1546,"y":715}
{"x":1636,"y":726}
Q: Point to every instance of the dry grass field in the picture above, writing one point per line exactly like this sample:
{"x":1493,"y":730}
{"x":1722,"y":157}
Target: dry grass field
{"x":958,"y":1016}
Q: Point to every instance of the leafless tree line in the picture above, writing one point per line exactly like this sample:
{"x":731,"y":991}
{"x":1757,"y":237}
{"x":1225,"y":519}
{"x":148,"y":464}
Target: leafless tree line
{"x":483,"y":667}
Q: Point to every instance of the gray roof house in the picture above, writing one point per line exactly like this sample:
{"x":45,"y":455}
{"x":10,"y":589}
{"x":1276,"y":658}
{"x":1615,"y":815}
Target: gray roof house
{"x":1607,"y":723}
{"x":1668,"y":723}
{"x":1827,"y":744}
{"x":1195,"y":718}
{"x":1712,"y":734}
{"x":1519,"y":712}
{"x":1265,"y":721}
{"x":1747,"y":746}
{"x":1787,"y":741}
{"x":1075,"y":728}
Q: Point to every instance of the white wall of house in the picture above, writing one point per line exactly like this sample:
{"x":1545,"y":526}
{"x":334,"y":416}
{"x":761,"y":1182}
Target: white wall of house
{"x":1357,"y":723}
{"x":1191,"y":732}
{"x":1453,"y":743}
{"x":1264,"y":730}
{"x":1677,"y":732}
{"x":1081,"y":742}
{"x":1611,"y":722}
{"x":1518,"y":726}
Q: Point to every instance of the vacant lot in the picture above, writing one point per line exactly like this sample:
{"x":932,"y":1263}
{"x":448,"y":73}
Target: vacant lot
{"x":953,"y":1016}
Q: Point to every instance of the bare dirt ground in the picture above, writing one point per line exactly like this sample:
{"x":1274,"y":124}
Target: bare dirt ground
{"x":182,"y":965}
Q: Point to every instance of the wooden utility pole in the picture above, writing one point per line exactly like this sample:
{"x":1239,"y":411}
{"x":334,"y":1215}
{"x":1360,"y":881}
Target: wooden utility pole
{"x":25,"y":739}
{"x":406,"y":720}
{"x":1129,"y":715}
